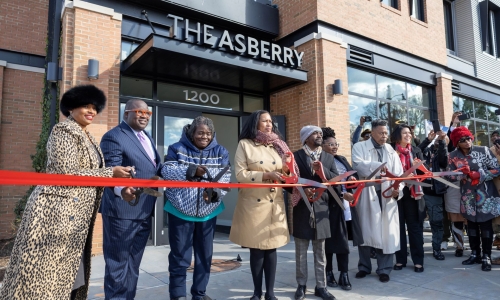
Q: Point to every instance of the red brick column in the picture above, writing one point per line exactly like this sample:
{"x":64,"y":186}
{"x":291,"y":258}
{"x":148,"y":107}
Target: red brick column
{"x":444,"y":98}
{"x":93,"y":32}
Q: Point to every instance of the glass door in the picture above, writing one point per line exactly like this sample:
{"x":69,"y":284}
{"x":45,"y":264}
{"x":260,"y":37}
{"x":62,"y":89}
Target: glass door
{"x":170,"y":124}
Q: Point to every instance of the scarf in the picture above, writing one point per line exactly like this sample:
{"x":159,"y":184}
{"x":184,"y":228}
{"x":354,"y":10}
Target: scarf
{"x":312,"y":156}
{"x":405,"y":157}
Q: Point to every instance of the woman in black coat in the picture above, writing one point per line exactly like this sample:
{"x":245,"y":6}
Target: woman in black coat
{"x":411,"y":207}
{"x":341,"y":229}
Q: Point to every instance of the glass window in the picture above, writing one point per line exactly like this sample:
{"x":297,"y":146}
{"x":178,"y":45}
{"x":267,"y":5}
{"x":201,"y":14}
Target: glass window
{"x":359,"y":107}
{"x":251,"y":104}
{"x":492,"y":113}
{"x":361,"y":82}
{"x":481,"y":135}
{"x":391,"y":89}
{"x":135,"y":87}
{"x":417,"y":118}
{"x":448,"y":25}
{"x":417,"y":9}
{"x":127,"y":48}
{"x":480,"y":110}
{"x":394,"y":114}
{"x":393,"y":3}
{"x":490,"y":47}
{"x":418,"y":95}
{"x":464,"y":105}
{"x":202,"y":97}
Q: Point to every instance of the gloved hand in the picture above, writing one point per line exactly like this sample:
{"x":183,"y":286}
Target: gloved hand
{"x":475,"y":177}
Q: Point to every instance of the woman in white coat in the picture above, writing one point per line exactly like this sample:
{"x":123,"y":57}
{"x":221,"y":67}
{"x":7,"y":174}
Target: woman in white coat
{"x":378,"y":215}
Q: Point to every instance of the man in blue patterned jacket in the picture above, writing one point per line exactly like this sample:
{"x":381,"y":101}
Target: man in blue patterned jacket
{"x":192,"y":212}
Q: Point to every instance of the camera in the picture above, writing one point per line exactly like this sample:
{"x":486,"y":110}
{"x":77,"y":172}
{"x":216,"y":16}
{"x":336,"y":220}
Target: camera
{"x":497,"y":142}
{"x":464,"y":117}
{"x":368,"y":118}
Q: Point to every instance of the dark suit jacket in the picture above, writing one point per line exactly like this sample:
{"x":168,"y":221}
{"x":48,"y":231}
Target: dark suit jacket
{"x":121,"y":147}
{"x":301,"y":213}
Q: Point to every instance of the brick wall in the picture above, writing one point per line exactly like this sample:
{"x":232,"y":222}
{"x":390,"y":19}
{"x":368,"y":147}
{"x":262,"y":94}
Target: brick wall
{"x":370,"y":18}
{"x":92,"y":35}
{"x":23,"y":25}
{"x":20,"y":130}
{"x":444,"y":100}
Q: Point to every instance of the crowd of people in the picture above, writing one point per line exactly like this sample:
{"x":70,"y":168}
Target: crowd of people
{"x":51,"y":254}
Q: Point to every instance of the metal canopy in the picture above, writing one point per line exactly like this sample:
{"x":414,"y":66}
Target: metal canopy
{"x":165,"y":58}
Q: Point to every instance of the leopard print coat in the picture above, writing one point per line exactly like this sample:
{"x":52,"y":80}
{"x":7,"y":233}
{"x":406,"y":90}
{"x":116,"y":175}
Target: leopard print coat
{"x":58,"y":222}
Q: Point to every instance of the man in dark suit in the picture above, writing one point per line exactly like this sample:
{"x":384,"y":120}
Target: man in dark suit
{"x":126,"y":228}
{"x":308,"y":159}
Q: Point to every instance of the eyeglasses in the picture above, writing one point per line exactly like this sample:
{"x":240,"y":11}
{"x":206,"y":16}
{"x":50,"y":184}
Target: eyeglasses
{"x":333,"y":144}
{"x":465,"y":138}
{"x":140,"y":112}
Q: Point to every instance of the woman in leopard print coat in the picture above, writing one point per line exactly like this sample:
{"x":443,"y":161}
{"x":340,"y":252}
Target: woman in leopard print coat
{"x":52,"y":251}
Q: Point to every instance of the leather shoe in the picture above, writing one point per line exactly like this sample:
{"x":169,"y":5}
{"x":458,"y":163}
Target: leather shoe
{"x":438,"y":255}
{"x":399,"y":268}
{"x":361,"y":274}
{"x":255,"y":297}
{"x":459,"y":252}
{"x":202,"y":298}
{"x":323,"y":293}
{"x":330,"y":279}
{"x":344,"y":281}
{"x":473,"y":259}
{"x":486,"y":266}
{"x":418,"y":270}
{"x":384,"y":278}
{"x":179,"y":298}
{"x":300,"y":293}
{"x":271,"y":298}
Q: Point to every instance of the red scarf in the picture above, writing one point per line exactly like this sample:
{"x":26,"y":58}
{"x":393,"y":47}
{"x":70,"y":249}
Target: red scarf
{"x":405,"y":157}
{"x":282,"y":148}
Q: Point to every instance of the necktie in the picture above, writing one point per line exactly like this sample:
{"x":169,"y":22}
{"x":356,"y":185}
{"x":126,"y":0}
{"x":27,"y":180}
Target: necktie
{"x":146,"y":145}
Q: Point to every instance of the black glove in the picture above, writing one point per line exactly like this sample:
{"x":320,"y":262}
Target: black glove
{"x":191,"y":173}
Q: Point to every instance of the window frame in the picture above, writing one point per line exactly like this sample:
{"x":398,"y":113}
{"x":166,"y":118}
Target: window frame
{"x":419,"y":6}
{"x":489,"y":14}
{"x":453,"y":26}
{"x":392,"y":3}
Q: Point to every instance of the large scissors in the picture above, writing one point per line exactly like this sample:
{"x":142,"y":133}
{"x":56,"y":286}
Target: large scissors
{"x":216,"y":179}
{"x":293,"y":178}
{"x":139,"y":191}
{"x":321,"y":174}
{"x":395,"y":184}
{"x":435,"y":175}
{"x":359,"y":186}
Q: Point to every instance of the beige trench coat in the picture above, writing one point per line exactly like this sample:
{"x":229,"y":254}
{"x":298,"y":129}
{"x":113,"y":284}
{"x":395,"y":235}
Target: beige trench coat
{"x":259,"y":219}
{"x":57,"y":223}
{"x":380,"y":227}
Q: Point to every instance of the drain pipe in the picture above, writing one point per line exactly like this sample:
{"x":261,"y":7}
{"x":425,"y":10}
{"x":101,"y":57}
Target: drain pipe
{"x":53,"y":37}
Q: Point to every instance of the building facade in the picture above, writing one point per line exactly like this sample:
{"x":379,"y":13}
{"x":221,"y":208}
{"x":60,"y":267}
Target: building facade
{"x":404,"y":61}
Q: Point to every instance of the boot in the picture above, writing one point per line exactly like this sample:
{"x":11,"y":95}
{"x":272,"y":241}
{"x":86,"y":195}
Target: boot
{"x":474,"y":258}
{"x":344,"y":281}
{"x":330,"y":279}
{"x":323,"y":293}
{"x":486,"y":266}
{"x":300,"y":293}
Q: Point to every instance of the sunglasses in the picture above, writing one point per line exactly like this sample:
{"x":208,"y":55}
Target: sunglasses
{"x":465,"y":138}
{"x":140,"y":112}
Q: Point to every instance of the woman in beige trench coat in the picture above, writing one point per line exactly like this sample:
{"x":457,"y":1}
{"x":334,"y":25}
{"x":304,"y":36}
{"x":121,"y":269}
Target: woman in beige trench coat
{"x":259,"y":220}
{"x":52,"y":251}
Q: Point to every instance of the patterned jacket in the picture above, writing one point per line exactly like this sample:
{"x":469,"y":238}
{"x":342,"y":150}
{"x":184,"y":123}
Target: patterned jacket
{"x":180,"y":156}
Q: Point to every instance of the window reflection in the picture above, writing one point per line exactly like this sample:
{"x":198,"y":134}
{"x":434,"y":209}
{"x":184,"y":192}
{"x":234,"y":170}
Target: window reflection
{"x":361,"y":82}
{"x":135,"y":87}
{"x":418,"y":95}
{"x":391,"y":89}
{"x":481,"y":135}
{"x":358,"y":107}
{"x":394,"y":114}
{"x":417,"y":117}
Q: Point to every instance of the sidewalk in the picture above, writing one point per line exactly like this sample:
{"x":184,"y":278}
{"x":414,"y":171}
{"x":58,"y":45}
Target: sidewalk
{"x":441,"y":280}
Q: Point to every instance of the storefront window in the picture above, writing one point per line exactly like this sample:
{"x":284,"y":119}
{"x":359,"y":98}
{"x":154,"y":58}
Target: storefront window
{"x":361,"y":82}
{"x":396,"y":101}
{"x":135,"y":87}
{"x":483,"y":119}
{"x":251,"y":104}
{"x":127,"y":48}
{"x":200,"y":97}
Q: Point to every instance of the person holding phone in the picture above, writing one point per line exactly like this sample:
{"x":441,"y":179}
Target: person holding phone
{"x":365,"y":135}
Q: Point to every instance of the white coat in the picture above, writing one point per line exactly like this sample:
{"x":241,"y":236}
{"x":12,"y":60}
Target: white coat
{"x":380,"y":227}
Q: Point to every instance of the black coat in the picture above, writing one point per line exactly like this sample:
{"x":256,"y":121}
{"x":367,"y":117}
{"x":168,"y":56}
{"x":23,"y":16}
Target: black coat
{"x":338,"y":242}
{"x":439,"y":161}
{"x":301,"y":213}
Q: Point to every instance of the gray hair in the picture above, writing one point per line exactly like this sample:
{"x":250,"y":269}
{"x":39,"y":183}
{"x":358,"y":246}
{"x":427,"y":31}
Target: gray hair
{"x":200,"y":120}
{"x":378,"y":122}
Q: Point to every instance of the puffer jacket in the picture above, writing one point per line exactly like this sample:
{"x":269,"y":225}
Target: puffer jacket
{"x":180,"y":156}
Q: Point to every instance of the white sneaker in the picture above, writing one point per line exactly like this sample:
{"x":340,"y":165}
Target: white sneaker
{"x":444,"y":245}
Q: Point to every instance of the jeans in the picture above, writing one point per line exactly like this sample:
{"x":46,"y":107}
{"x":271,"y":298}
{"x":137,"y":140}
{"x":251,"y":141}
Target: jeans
{"x":435,"y":211}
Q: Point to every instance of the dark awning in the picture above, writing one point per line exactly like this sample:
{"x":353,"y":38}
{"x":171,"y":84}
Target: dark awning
{"x":162,"y":57}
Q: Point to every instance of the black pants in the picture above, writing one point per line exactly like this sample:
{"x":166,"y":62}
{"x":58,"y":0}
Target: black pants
{"x":409,"y":214}
{"x":480,"y":232}
{"x":263,"y":262}
{"x":342,"y":262}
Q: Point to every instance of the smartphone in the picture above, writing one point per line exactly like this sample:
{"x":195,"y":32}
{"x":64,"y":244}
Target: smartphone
{"x":464,"y":117}
{"x":497,"y":142}
{"x":436,"y":126}
{"x":368,"y":119}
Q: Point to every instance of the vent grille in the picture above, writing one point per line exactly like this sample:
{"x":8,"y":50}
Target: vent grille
{"x":360,"y":55}
{"x":455,"y":85}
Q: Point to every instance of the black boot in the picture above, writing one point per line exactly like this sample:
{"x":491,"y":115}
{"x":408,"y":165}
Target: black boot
{"x":474,"y":258}
{"x":344,"y":281}
{"x":486,"y":266}
{"x":300,"y":293}
{"x":323,"y":293}
{"x":330,"y":279}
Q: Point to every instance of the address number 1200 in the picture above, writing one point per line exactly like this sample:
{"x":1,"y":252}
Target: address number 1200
{"x":201,"y":97}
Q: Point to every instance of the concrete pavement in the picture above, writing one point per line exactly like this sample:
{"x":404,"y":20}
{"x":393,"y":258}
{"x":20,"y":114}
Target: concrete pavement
{"x":442,"y":280}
